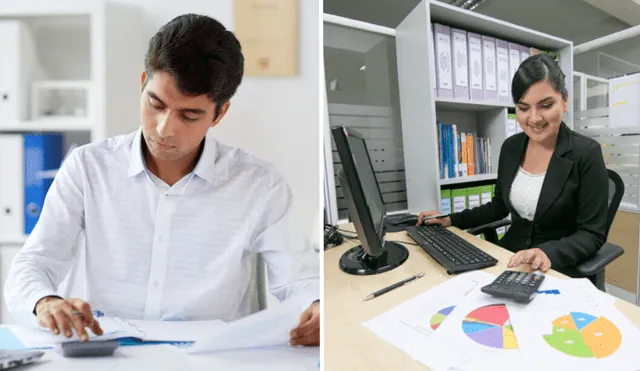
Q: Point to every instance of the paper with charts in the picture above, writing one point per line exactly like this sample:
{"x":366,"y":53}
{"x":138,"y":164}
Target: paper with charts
{"x":585,"y":339}
{"x":410,"y":325}
{"x":455,"y":326}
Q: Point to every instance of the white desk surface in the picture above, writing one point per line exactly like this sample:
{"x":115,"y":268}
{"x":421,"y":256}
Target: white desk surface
{"x":166,"y":357}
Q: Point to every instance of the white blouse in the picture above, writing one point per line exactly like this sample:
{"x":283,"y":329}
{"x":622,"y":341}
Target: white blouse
{"x":525,"y":192}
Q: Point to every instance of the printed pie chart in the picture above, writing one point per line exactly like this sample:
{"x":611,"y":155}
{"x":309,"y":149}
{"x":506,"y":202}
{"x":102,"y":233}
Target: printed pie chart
{"x":490,"y":326}
{"x":583,"y":335}
{"x":440,"y":316}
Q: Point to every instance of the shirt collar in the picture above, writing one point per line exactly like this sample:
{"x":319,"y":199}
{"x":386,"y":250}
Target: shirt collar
{"x":204,"y":168}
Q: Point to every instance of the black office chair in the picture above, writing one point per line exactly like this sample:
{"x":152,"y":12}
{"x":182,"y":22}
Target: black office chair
{"x":594,"y":267}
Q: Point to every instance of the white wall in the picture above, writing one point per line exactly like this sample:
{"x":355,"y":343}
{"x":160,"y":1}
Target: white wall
{"x":275,"y":118}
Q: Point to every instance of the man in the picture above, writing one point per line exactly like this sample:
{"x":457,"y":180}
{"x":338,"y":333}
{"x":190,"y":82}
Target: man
{"x":171,"y":217}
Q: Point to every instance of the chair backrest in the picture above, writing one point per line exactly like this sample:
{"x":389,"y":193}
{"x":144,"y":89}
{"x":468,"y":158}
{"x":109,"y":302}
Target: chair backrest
{"x":616,"y":191}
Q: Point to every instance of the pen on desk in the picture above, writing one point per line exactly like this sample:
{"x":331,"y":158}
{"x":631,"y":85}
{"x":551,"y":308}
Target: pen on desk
{"x":394,"y":286}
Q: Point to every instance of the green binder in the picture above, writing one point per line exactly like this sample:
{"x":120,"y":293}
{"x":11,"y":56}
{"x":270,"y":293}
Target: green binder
{"x":459,"y":199}
{"x":486,"y":194}
{"x":445,"y":201}
{"x":473,"y":197}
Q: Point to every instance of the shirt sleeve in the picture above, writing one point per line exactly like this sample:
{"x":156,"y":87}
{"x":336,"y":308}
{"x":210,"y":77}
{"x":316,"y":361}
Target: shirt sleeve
{"x":292,"y":262}
{"x":51,"y":248}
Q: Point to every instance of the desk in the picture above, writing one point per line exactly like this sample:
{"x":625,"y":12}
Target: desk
{"x":348,"y":344}
{"x":165,"y":357}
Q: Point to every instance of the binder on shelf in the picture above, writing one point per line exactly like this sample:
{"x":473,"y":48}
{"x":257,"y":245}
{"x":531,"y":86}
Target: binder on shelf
{"x":486,"y":194}
{"x":460,"y":64}
{"x":534,"y":51}
{"x":11,"y":185}
{"x":454,"y":151}
{"x":476,"y":69}
{"x":511,"y":124}
{"x":490,"y":66}
{"x":524,"y":53}
{"x":470,"y":155}
{"x":444,"y":75}
{"x":514,"y":63}
{"x":445,"y":201}
{"x":463,"y":154}
{"x":42,"y":155}
{"x":17,"y":68}
{"x":434,"y":81}
{"x":504,"y":79}
{"x":501,"y":231}
{"x":441,"y":150}
{"x":459,"y":197}
{"x":473,"y":196}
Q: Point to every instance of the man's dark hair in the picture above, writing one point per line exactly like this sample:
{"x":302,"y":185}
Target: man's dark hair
{"x":201,"y":55}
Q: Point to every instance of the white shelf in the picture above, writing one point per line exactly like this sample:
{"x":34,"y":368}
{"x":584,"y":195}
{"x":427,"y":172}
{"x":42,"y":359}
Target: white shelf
{"x":453,"y":104}
{"x":469,"y":179}
{"x":13,"y":240}
{"x":53,"y":124}
{"x":482,"y":24}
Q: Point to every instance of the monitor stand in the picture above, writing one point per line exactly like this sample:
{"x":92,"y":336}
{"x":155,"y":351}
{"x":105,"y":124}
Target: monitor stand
{"x":357,"y":261}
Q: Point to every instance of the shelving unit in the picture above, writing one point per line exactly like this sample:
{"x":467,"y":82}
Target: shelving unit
{"x":421,"y":108}
{"x":97,"y":45}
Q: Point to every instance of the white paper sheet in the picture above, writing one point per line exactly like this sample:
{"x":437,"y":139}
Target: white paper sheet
{"x":270,"y":327}
{"x":177,"y":330}
{"x":410,"y":325}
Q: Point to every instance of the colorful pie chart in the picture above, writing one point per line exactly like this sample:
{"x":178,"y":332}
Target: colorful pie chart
{"x":490,"y":326}
{"x":583,"y":335}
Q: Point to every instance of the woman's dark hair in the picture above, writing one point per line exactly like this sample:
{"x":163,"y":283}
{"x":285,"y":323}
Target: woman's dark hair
{"x":200,"y":54}
{"x":540,"y":67}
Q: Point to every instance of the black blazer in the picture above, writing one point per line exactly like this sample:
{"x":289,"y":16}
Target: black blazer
{"x":570,"y":221}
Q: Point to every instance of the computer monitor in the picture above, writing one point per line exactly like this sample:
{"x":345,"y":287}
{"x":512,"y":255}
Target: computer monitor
{"x":366,"y":208}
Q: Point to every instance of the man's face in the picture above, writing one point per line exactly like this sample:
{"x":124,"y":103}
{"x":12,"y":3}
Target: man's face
{"x":174,"y":124}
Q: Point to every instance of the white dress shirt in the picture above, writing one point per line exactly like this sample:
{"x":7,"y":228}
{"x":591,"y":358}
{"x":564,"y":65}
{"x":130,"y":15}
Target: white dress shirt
{"x":525,"y":192}
{"x":155,"y":251}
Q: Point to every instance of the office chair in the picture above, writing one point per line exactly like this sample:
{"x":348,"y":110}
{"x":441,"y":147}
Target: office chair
{"x":593,"y":268}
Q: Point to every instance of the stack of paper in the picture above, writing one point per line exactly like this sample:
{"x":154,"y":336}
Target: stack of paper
{"x":457,"y":326}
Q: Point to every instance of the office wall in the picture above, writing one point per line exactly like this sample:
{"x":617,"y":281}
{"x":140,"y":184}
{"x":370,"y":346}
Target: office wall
{"x":277,"y":119}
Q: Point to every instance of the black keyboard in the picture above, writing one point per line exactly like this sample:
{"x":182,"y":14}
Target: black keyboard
{"x":450,"y":250}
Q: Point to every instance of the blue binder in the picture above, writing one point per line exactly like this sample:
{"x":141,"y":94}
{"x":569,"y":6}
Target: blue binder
{"x":42,"y":152}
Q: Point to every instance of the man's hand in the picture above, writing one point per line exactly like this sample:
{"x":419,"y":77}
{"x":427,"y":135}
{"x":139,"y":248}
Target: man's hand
{"x":308,"y":330}
{"x":64,"y":316}
{"x":536,"y":257}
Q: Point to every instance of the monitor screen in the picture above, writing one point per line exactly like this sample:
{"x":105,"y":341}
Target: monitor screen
{"x":368,"y":181}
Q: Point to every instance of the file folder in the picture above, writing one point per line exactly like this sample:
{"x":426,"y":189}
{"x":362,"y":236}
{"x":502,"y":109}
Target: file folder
{"x":42,"y":153}
{"x":459,"y":197}
{"x":460,"y":64}
{"x":444,"y":74}
{"x":445,"y":201}
{"x":473,"y":196}
{"x":11,"y":186}
{"x":504,"y":79}
{"x":524,"y":53}
{"x":476,"y":69}
{"x":490,"y":67}
{"x":514,"y":64}
{"x":486,"y":194}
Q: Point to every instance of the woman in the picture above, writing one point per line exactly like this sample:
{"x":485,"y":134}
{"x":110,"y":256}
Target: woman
{"x":552,"y":180}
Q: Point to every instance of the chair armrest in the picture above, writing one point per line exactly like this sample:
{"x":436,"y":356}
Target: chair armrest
{"x":607,"y":253}
{"x":489,"y":227}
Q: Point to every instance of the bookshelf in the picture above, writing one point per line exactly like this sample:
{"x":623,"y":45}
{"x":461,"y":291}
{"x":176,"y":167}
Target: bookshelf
{"x":421,"y":108}
{"x":95,"y":45}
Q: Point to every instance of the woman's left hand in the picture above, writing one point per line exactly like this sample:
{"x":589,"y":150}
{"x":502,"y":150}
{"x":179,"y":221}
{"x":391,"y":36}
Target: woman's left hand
{"x":536,"y":257}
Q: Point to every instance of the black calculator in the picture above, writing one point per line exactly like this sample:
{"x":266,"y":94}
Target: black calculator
{"x":519,"y":286}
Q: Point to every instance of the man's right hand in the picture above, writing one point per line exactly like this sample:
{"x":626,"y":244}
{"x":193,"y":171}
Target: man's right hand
{"x":66,"y":315}
{"x":445,"y":222}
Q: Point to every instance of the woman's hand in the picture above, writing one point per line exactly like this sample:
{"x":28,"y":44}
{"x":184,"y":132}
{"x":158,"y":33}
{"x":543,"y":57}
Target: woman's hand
{"x":445,"y":222}
{"x":536,"y":257}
